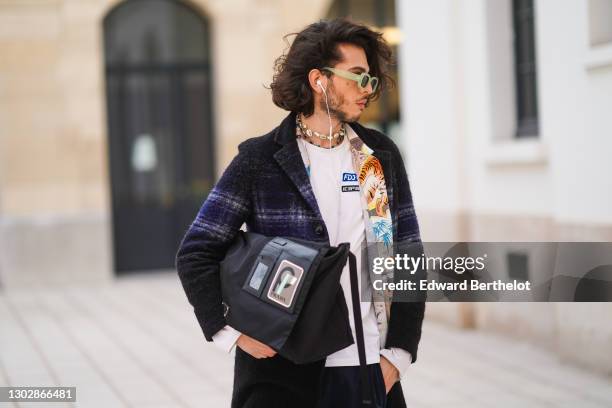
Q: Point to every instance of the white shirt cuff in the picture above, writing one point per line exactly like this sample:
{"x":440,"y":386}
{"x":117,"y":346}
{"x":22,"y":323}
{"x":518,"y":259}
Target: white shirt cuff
{"x":400,"y":358}
{"x":225,"y":339}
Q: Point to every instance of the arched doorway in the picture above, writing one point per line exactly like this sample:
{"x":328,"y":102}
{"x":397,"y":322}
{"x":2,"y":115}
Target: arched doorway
{"x":158,"y":89}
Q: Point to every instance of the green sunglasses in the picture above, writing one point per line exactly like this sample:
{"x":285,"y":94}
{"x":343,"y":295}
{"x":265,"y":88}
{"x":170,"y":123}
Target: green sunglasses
{"x":362,"y":79}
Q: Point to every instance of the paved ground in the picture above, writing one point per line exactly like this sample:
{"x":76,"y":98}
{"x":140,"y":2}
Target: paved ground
{"x":135,"y":343}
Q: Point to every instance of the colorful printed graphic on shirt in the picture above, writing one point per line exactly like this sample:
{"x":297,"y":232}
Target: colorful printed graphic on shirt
{"x":378,"y":221}
{"x":372,"y":181}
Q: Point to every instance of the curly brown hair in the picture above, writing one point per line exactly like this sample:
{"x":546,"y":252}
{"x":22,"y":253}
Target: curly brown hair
{"x":316,"y":47}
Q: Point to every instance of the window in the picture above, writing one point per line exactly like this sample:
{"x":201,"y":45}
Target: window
{"x":600,"y":22}
{"x":518,"y":266}
{"x":525,"y":68}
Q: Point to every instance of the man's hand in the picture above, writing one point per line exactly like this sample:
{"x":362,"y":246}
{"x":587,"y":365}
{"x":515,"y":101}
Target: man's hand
{"x":254,"y":347}
{"x":389,"y":372}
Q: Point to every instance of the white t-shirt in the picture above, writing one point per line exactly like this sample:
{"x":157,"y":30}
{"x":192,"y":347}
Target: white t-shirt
{"x":336,"y":189}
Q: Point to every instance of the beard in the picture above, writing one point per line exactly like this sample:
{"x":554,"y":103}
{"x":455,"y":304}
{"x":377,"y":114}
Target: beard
{"x":335,"y":106}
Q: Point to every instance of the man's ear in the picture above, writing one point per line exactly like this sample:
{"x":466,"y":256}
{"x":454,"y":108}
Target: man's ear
{"x":315,"y":75}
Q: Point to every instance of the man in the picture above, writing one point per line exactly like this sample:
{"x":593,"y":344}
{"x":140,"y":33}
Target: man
{"x":323,"y":177}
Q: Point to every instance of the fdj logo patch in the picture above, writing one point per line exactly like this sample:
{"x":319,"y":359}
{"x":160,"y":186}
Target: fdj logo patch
{"x":349,"y":177}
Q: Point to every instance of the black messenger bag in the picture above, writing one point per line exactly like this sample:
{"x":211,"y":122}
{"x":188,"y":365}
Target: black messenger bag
{"x":286,"y":293}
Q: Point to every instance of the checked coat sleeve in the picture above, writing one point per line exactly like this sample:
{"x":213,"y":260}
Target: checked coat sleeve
{"x":219,"y":219}
{"x":406,"y":317}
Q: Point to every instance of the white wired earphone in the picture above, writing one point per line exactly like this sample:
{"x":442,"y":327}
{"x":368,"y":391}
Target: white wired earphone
{"x":329,"y":137}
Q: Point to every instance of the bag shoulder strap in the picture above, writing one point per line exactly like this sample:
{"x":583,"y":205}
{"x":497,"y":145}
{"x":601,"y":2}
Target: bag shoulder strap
{"x":366,"y":391}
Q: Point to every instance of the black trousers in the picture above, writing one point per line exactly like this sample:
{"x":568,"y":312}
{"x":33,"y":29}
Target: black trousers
{"x":278,"y":383}
{"x":340,"y":387}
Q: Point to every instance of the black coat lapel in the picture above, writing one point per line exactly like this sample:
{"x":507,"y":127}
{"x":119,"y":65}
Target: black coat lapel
{"x":290,"y":160}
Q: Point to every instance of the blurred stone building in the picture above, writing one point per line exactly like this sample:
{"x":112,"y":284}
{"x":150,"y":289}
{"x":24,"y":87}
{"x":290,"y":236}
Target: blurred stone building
{"x":118,"y":116}
{"x":115,"y":119}
{"x":506,"y":106}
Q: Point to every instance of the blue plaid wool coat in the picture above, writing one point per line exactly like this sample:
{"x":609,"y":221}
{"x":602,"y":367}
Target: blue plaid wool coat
{"x":266,"y":186}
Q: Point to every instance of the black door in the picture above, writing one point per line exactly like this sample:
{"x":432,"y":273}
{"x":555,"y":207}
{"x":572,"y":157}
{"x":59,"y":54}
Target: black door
{"x":159,"y":126}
